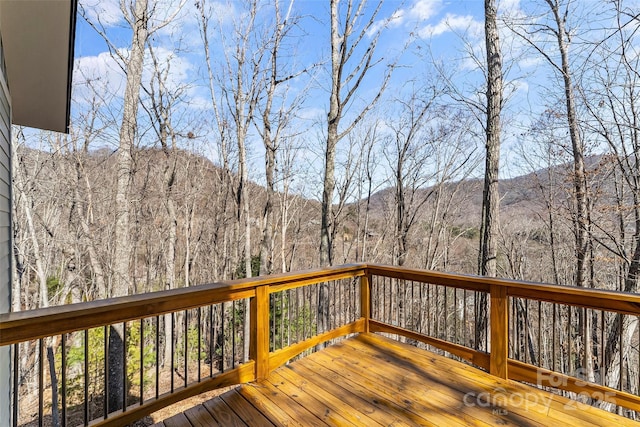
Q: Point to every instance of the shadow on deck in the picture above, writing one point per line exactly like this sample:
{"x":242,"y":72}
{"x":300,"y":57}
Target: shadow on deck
{"x":371,"y":380}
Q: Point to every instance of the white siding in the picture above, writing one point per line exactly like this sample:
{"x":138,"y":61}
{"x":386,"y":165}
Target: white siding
{"x":5,"y":237}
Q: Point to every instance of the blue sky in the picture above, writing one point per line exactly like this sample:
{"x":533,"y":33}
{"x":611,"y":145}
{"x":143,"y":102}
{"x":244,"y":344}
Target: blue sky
{"x":448,"y":32}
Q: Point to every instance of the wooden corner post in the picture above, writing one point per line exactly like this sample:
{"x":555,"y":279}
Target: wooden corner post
{"x":365,"y":300}
{"x":499,"y":331}
{"x":259,"y":340}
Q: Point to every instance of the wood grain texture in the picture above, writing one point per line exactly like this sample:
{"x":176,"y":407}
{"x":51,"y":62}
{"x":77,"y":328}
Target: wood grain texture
{"x":499,"y":317}
{"x":34,"y":324}
{"x":365,"y":300}
{"x":259,"y":346}
{"x":371,"y":380}
{"x":478,"y":358}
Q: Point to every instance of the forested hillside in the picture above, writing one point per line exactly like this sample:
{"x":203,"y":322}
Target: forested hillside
{"x":64,"y":227}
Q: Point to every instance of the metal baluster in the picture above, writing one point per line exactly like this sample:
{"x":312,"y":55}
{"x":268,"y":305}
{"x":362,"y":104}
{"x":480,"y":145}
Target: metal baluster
{"x":620,"y":352}
{"x":157,"y":348}
{"x":423,"y":312}
{"x":63,"y":378}
{"x":272,"y":320}
{"x":475,"y":321}
{"x":173,"y":340}
{"x":553,"y":338}
{"x":297,"y":314}
{"x":16,"y":375}
{"x":222,"y":341}
{"x":465,"y":336}
{"x":540,"y":334}
{"x":211,"y":343}
{"x":233,"y":334}
{"x":141,"y":361}
{"x":40,"y":381}
{"x":106,"y":371}
{"x":282,"y":319}
{"x":569,"y":367}
{"x":199,"y":343}
{"x":602,"y":347}
{"x":124,"y":367}
{"x":455,"y":315}
{"x":185,"y":338}
{"x":86,"y":377}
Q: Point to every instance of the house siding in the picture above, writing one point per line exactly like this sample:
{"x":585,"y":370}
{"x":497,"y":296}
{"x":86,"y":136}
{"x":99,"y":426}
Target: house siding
{"x":6,"y":234}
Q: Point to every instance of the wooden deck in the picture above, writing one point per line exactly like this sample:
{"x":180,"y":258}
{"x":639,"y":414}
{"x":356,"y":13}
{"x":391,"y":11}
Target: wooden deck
{"x":370,"y":380}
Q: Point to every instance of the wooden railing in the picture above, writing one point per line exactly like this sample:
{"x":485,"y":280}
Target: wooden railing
{"x":480,"y":320}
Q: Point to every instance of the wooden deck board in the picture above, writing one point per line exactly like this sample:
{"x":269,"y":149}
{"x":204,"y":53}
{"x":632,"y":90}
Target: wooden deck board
{"x":198,"y":416}
{"x":224,"y":415}
{"x":370,"y":380}
{"x":245,"y":410}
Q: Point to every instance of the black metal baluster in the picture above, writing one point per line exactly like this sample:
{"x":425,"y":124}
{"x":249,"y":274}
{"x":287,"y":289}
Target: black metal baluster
{"x":465,"y":334}
{"x":476,"y":333}
{"x":553,"y":338}
{"x":281,"y":293}
{"x":16,"y":375}
{"x":86,"y":378}
{"x":233,"y":334}
{"x":40,"y":382}
{"x":185,"y":338}
{"x":199,"y":343}
{"x":211,"y":343}
{"x":602,"y":347}
{"x":173,"y":340}
{"x":106,"y":372}
{"x":124,"y":367}
{"x":297,"y":314}
{"x":63,"y":378}
{"x":141,"y":361}
{"x":621,"y":350}
{"x":157,"y":348}
{"x":222,"y":341}
{"x":455,"y":315}
{"x":569,"y":367}
{"x":540,"y":334}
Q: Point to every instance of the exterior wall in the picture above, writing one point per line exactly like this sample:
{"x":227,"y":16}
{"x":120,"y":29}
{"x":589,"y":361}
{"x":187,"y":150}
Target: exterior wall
{"x":5,"y":236}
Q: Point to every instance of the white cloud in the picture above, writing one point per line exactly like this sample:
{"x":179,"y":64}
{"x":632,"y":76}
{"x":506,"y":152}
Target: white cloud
{"x":456,"y":23}
{"x":509,"y":6}
{"x":107,"y":12}
{"x":100,"y":73}
{"x":394,"y":21}
{"x":179,"y":68}
{"x":425,"y":9}
{"x":531,"y":61}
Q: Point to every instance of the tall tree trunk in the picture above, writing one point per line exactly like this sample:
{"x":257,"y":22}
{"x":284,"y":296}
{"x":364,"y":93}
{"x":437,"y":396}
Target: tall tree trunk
{"x":582,"y":216}
{"x":122,"y":250}
{"x":490,"y":197}
{"x":333,"y":120}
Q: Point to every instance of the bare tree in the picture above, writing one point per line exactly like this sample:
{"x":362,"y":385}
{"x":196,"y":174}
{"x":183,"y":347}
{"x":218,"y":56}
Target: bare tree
{"x":352,"y":58}
{"x":142,"y":18}
{"x":490,"y":197}
{"x":349,"y":67}
{"x":612,"y":102}
{"x":273,"y":123}
{"x":556,"y":28}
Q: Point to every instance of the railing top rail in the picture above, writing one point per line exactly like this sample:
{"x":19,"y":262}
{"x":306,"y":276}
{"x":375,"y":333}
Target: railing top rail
{"x":33,"y":324}
{"x":600,"y":299}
